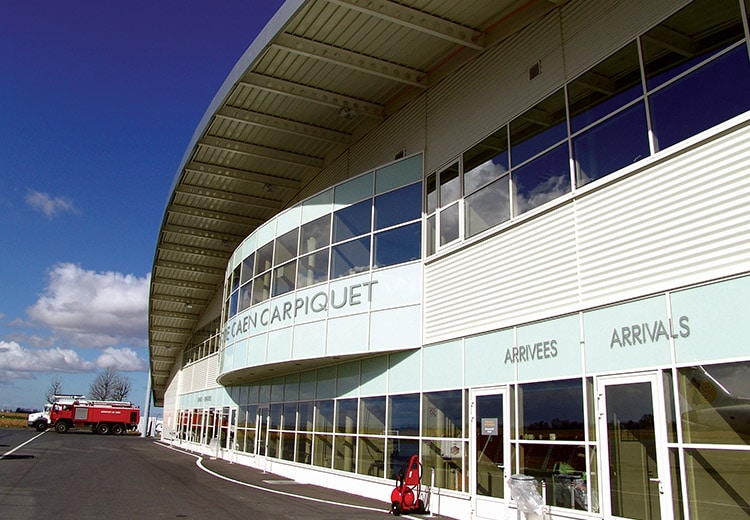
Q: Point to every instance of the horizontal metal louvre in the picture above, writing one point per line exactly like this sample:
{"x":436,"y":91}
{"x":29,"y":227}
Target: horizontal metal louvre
{"x":522,"y":274}
{"x":679,"y":222}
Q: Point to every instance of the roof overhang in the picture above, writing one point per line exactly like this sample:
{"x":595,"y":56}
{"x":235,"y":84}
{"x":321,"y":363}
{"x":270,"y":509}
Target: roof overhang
{"x":321,"y":74}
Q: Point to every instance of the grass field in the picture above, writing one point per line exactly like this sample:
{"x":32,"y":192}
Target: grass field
{"x":12,"y":420}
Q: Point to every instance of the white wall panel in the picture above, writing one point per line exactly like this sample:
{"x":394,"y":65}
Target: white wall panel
{"x":492,"y":90}
{"x":404,"y":130}
{"x":682,"y":221}
{"x":524,"y":273}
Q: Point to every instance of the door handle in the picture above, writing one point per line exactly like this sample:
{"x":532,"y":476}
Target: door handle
{"x":657,"y":481}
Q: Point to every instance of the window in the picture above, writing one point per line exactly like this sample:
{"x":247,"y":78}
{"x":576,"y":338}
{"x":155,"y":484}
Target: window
{"x":541,"y":180}
{"x":403,"y":417}
{"x":551,"y":410}
{"x":315,"y":234}
{"x":312,"y":269}
{"x":611,"y":145}
{"x":442,"y":414}
{"x":286,"y":247}
{"x":352,"y":221}
{"x":398,"y":245}
{"x":714,"y":93}
{"x":350,"y":257}
{"x":398,"y":206}
{"x":538,"y":129}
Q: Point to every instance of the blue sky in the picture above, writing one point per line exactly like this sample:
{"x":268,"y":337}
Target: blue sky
{"x":98,"y":102}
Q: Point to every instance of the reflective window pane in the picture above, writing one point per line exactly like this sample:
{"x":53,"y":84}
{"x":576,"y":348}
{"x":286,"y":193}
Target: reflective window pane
{"x":235,"y":278}
{"x":446,"y":458}
{"x":403,"y":416}
{"x":442,"y":414}
{"x":541,"y":180}
{"x":718,"y":484}
{"x":609,"y":146}
{"x":430,"y":245}
{"x":286,"y":247}
{"x":284,"y":278}
{"x":323,"y":451}
{"x":246,"y":297}
{"x":398,"y":245}
{"x":715,"y":403}
{"x":450,"y":185}
{"x":692,"y":34}
{"x":247,"y":268}
{"x":324,"y":416}
{"x":352,"y":221}
{"x":372,"y":416}
{"x":609,"y":85}
{"x":449,"y":224}
{"x":371,"y":456}
{"x":305,"y":410}
{"x":350,"y":258}
{"x":346,"y":416}
{"x":538,"y":128}
{"x":562,"y":467}
{"x":551,"y":410}
{"x":313,"y":268}
{"x":315,"y":234}
{"x":263,"y":258}
{"x":345,"y":449}
{"x":262,"y":288}
{"x":488,"y":207}
{"x":712,"y":94}
{"x":431,"y":193}
{"x":486,"y":161}
{"x":398,"y":206}
{"x":304,"y":448}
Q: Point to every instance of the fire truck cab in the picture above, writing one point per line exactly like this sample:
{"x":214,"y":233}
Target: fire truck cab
{"x":103,"y":417}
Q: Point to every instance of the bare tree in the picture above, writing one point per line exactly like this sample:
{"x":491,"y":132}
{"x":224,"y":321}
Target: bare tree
{"x":110,"y":385}
{"x":55,"y":388}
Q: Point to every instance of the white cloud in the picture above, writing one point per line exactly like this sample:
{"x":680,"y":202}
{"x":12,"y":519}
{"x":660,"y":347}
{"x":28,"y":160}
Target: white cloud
{"x":93,"y":309}
{"x":123,"y":359}
{"x":17,"y":362}
{"x":48,"y":205}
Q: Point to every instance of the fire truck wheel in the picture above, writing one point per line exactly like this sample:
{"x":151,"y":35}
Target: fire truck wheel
{"x":61,"y":427}
{"x":40,"y":426}
{"x":117,"y":429}
{"x":102,"y":429}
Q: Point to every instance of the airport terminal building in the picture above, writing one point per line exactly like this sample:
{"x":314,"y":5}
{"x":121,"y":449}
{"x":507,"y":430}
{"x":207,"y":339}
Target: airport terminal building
{"x":509,"y":236}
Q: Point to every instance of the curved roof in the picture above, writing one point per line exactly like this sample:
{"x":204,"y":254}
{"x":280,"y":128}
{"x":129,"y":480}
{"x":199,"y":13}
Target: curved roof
{"x":320,"y":75}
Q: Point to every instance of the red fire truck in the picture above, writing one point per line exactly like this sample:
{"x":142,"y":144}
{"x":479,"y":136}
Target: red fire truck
{"x":102,"y":417}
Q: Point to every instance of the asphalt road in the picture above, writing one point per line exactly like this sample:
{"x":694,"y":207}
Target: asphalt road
{"x":82,"y":475}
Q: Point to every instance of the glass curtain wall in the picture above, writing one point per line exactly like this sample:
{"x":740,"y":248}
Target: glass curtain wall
{"x":688,"y":74}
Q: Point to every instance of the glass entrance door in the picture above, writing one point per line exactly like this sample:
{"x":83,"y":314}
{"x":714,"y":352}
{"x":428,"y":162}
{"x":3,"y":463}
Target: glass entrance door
{"x":490,"y":448}
{"x":632,"y":429}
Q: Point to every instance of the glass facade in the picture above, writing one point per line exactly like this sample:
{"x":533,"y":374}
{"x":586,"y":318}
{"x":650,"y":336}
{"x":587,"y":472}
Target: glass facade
{"x":688,"y":74}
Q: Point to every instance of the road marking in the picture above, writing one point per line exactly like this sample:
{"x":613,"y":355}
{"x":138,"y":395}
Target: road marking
{"x":199,"y":463}
{"x":19,"y":446}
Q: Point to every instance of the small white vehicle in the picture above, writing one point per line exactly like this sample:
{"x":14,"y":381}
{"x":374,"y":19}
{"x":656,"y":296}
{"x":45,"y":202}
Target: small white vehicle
{"x":40,"y":420}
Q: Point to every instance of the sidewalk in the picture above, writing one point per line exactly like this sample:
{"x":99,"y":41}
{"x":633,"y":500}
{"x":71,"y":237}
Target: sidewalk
{"x":282,"y":485}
